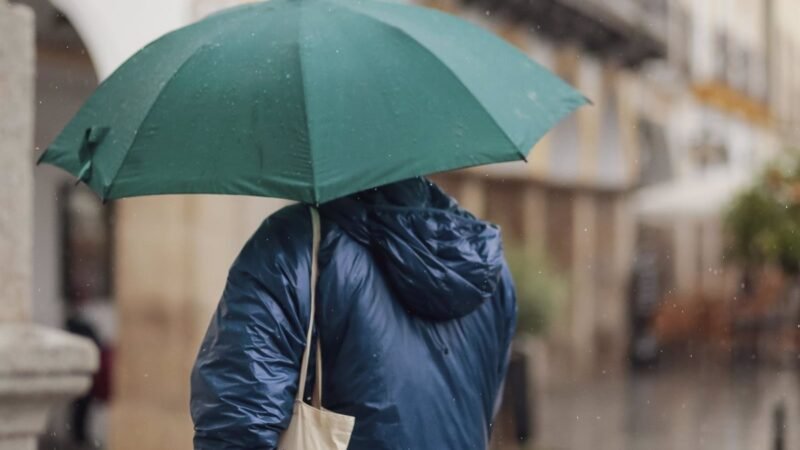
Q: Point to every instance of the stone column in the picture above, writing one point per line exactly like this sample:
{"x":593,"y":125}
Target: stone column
{"x":711,"y":251}
{"x":685,"y":258}
{"x":582,"y":320}
{"x":534,"y":213}
{"x":16,"y":143}
{"x":39,"y":367}
{"x":473,"y":195}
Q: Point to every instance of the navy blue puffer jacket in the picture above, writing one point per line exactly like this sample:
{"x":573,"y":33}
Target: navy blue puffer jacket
{"x":415,"y":314}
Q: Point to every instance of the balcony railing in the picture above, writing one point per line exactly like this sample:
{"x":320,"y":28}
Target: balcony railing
{"x":630,"y":31}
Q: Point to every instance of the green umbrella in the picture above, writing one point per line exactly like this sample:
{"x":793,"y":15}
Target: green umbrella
{"x":309,"y":100}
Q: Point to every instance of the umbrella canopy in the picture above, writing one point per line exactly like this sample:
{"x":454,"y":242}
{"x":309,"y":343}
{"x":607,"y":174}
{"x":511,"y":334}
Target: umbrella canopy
{"x":309,"y":100}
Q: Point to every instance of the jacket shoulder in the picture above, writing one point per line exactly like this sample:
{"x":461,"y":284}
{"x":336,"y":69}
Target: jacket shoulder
{"x":288,"y":229}
{"x":279,"y":248}
{"x":293,"y":220}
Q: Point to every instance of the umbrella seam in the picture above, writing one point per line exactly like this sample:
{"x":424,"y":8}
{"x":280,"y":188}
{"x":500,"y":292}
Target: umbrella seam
{"x":107,"y":189}
{"x":447,"y":67}
{"x":314,"y":188}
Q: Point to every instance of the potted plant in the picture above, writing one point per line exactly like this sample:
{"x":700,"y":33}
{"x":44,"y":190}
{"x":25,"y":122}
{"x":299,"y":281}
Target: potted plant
{"x":540,"y":289}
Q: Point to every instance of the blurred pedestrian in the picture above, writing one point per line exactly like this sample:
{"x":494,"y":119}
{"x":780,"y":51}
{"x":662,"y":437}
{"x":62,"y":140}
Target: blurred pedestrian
{"x":644,"y":299}
{"x":82,"y":319}
{"x":78,"y":323}
{"x":415,"y":311}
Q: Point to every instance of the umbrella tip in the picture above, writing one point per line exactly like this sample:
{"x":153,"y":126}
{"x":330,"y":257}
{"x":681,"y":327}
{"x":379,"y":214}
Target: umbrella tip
{"x":40,"y":159}
{"x":104,"y":197}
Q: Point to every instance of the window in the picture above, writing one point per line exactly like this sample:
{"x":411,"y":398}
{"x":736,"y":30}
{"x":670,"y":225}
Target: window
{"x":722,"y":59}
{"x":654,"y":162}
{"x":681,"y":41}
{"x":757,"y":83}
{"x":706,"y":152}
{"x":739,"y":75}
{"x":85,"y":245}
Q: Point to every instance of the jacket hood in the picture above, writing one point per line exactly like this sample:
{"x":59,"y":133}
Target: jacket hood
{"x":441,"y":261}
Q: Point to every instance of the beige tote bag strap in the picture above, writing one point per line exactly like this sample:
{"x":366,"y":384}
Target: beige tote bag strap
{"x":317,"y":397}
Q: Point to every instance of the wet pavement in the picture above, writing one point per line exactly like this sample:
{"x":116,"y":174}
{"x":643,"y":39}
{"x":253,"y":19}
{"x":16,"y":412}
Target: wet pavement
{"x":685,"y":409}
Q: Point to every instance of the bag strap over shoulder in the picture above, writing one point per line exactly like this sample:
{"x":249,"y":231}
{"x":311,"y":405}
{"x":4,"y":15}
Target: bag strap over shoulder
{"x":317,"y":396}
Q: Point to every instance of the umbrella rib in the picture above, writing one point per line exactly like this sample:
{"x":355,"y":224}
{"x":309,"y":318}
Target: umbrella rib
{"x":106,"y":189}
{"x":448,"y":68}
{"x":314,"y":188}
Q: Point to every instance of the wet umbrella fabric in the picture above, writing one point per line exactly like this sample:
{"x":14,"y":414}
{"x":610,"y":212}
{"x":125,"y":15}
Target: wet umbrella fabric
{"x":309,"y":100}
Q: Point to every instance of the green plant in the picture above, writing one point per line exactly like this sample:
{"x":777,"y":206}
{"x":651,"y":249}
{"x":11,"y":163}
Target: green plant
{"x":763,"y":222}
{"x":541,"y":289}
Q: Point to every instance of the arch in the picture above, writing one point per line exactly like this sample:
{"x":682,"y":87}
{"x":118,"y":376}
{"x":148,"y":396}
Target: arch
{"x":114,"y":29}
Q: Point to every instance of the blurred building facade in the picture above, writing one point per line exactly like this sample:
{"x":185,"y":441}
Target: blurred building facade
{"x":689,"y":99}
{"x":730,"y":67}
{"x":733,"y":108}
{"x":574,"y":198}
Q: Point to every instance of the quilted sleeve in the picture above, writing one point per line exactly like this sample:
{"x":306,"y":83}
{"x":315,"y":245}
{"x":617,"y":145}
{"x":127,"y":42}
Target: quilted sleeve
{"x":245,"y":377}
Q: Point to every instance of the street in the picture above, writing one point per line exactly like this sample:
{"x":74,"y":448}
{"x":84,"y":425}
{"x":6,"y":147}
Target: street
{"x":687,"y":409}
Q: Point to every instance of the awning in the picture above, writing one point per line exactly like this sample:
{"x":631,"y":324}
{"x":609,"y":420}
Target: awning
{"x":699,"y":196}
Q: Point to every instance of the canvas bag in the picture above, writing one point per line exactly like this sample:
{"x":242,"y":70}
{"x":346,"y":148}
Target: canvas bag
{"x":313,"y":427}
